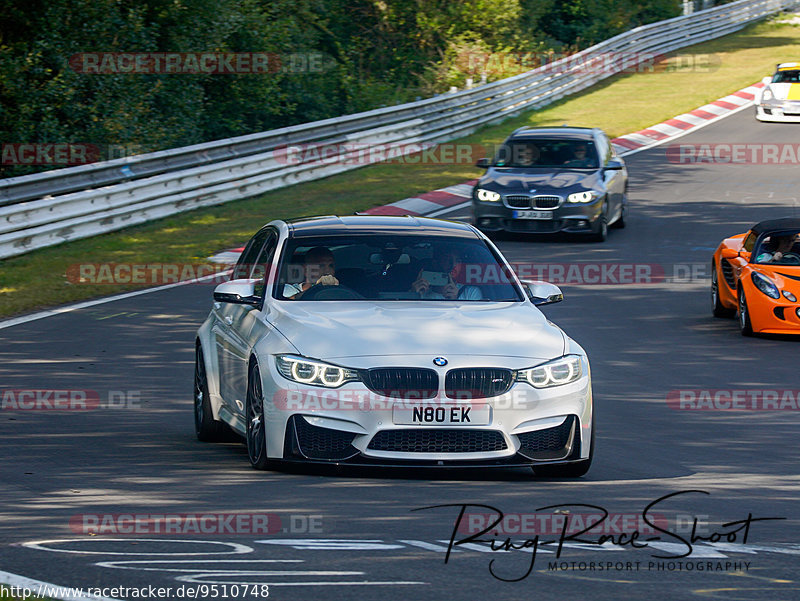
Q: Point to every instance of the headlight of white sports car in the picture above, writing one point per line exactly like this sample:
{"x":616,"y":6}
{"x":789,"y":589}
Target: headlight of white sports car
{"x":553,"y":373}
{"x":314,"y":373}
{"x":767,"y":95}
{"x":487,"y":195}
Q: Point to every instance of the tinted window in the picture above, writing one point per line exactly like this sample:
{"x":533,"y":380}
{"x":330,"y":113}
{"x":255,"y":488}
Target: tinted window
{"x":788,"y":76}
{"x":244,"y":266}
{"x":397,"y":267}
{"x":547,"y":153}
{"x":779,"y":248}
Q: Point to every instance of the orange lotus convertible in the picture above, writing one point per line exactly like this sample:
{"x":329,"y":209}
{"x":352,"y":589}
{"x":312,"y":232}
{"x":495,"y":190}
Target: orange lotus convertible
{"x":756,"y":276}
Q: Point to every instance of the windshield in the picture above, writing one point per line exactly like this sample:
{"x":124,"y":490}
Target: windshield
{"x":787,"y":76}
{"x":779,"y":248}
{"x":547,"y":153}
{"x":392,"y":267}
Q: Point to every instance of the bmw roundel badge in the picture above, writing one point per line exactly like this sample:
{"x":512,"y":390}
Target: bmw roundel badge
{"x":440,"y":361}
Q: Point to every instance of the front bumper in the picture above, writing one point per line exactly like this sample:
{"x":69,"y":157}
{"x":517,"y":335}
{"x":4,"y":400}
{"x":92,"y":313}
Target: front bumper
{"x":353,"y":426}
{"x":576,"y":218}
{"x":779,"y":111}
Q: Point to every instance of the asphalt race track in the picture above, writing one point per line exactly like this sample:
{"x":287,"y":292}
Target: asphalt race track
{"x":352,"y":534}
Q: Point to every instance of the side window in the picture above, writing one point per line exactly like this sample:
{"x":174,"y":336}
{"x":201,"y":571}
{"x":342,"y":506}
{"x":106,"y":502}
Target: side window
{"x":263,"y":263}
{"x":247,"y":260}
{"x":749,"y":242}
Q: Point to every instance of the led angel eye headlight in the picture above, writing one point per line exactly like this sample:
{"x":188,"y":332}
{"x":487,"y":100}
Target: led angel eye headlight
{"x":587,"y":196}
{"x":315,"y":373}
{"x":487,"y":195}
{"x":554,"y":373}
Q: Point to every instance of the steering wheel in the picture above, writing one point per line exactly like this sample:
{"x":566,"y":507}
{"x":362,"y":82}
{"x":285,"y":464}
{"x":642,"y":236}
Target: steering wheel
{"x":322,"y":292}
{"x":791,"y":258}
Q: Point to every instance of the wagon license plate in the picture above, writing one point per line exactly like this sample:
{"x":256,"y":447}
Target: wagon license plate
{"x":543,"y":215}
{"x":442,"y":415}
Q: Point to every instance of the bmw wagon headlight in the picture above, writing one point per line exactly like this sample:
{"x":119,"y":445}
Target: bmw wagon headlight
{"x":765,"y":285}
{"x":315,"y":373}
{"x":553,"y":373}
{"x":587,"y":196}
{"x":487,"y":195}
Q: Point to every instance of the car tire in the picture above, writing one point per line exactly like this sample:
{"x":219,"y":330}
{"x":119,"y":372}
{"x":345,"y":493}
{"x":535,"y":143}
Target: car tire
{"x":745,"y":326}
{"x":206,"y":427}
{"x":717,"y":308}
{"x":255,"y":439}
{"x":602,"y":226}
{"x":568,"y":470}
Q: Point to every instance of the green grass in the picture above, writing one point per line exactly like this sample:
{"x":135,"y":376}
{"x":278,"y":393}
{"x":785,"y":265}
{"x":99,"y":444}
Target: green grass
{"x":620,"y":105}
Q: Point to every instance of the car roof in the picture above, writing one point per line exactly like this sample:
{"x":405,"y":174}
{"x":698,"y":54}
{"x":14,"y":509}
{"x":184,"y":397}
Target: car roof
{"x":376,"y":224}
{"x":571,"y":133}
{"x":776,"y":225}
{"x":783,"y":66}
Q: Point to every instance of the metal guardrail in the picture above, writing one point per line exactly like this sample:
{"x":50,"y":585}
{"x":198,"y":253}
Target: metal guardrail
{"x":48,"y":208}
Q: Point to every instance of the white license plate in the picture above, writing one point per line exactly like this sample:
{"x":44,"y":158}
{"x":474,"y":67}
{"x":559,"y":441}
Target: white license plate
{"x":533,"y":215}
{"x":442,"y":415}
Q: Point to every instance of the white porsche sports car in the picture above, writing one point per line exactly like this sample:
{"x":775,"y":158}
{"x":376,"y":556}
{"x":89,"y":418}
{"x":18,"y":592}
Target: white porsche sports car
{"x":377,"y":340}
{"x":779,"y":99}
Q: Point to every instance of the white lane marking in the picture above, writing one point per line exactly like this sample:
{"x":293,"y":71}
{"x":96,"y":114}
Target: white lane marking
{"x":698,"y":552}
{"x":237,"y":549}
{"x":464,"y":190}
{"x":690,"y":119}
{"x":664,"y":128}
{"x":462,"y":205}
{"x":429,"y":546}
{"x":195,"y":580}
{"x":99,"y":301}
{"x":136,"y":564}
{"x":51,"y":590}
{"x":321,"y":544}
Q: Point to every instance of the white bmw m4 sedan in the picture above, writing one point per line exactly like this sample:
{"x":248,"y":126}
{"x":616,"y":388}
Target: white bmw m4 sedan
{"x":378,"y":340}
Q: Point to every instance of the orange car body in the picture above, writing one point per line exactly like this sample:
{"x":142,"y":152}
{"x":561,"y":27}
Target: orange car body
{"x":736,"y":271}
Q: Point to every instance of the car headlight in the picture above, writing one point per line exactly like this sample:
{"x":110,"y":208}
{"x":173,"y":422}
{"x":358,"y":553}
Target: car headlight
{"x":766,"y":285}
{"x":315,"y":373}
{"x":587,"y":196}
{"x":487,"y":195}
{"x":789,"y":296}
{"x":767,"y":95}
{"x":553,"y":373}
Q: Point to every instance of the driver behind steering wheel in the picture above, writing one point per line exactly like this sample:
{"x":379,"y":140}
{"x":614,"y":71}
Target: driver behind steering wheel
{"x":319,"y":268}
{"x":784,"y":247}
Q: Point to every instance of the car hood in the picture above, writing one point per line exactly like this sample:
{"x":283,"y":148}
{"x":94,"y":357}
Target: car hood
{"x":335,"y":330}
{"x":785,"y":91}
{"x":525,"y":180}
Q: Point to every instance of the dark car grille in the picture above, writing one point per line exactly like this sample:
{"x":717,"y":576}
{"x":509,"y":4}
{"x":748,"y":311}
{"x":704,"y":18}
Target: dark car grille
{"x":550,"y":443}
{"x":727,"y":273}
{"x":402,"y":382}
{"x":546,"y":202}
{"x":477,"y":382}
{"x":314,"y":442}
{"x":438,"y":440}
{"x":518,"y":202}
{"x":532,"y":225}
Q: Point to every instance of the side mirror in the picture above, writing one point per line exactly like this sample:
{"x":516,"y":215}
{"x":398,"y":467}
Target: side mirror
{"x":238,"y":292}
{"x":767,"y":80}
{"x":482,"y":163}
{"x":614,"y":165}
{"x":543,"y":293}
{"x":728,"y":253}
